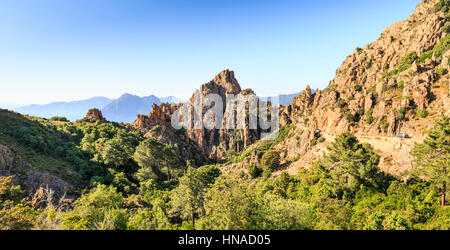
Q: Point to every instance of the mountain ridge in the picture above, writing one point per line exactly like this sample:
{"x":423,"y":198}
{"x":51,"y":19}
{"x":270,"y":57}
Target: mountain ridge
{"x":123,"y":109}
{"x":75,"y":110}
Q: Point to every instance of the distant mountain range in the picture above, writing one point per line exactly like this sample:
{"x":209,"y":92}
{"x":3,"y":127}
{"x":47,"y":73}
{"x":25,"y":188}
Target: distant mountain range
{"x":124,"y":109}
{"x":282,"y":99}
{"x":127,"y":107}
{"x":71,"y":110}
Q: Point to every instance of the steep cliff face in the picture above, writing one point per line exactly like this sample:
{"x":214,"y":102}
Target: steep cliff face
{"x":216,"y":142}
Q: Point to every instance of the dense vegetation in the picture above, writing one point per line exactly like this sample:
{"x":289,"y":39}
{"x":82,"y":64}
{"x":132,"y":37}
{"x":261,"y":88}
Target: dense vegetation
{"x":134,"y":183}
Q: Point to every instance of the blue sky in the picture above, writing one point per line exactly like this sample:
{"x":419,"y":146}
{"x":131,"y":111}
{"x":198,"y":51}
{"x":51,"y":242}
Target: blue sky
{"x":61,"y":50}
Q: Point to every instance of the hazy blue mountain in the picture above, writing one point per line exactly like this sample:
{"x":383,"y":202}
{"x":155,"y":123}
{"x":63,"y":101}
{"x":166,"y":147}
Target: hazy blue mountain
{"x":127,"y":107}
{"x":71,"y":110}
{"x":171,"y":99}
{"x":283,"y":99}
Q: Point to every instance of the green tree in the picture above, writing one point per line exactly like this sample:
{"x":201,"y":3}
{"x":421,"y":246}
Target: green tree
{"x":353,"y":164}
{"x":9,"y":191}
{"x":187,"y":199}
{"x":101,"y":208}
{"x":295,"y":215}
{"x":432,"y":157}
{"x":157,"y":159}
{"x":14,"y":214}
{"x":118,"y":152}
{"x":209,"y":173}
{"x":270,"y":161}
{"x":229,"y":205}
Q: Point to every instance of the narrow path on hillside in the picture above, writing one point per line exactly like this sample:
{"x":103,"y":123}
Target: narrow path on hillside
{"x":394,"y":152}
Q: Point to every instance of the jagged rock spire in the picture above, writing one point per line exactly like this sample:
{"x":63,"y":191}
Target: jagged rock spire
{"x":228,"y":81}
{"x":222,"y":84}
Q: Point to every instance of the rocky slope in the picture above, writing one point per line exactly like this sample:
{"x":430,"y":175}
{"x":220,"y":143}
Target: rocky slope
{"x":28,"y":176}
{"x":397,"y":84}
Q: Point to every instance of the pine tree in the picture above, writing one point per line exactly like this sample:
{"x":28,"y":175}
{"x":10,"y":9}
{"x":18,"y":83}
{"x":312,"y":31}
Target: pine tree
{"x":353,"y":164}
{"x":118,"y":151}
{"x":432,"y":157}
{"x":160,"y":158}
{"x":187,"y":199}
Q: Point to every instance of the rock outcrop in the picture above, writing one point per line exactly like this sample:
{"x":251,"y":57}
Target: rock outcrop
{"x":94,"y":115}
{"x":157,"y":125}
{"x":212,"y":143}
{"x":30,"y":177}
{"x":216,"y":142}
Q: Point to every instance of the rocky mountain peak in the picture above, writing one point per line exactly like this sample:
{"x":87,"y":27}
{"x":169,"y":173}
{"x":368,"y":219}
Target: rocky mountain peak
{"x":228,"y":81}
{"x":224,"y":83}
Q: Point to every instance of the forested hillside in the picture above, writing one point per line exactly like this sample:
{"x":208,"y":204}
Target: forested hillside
{"x":122,"y":181}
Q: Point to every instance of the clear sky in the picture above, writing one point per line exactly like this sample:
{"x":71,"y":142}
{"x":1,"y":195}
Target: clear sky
{"x":61,"y":50}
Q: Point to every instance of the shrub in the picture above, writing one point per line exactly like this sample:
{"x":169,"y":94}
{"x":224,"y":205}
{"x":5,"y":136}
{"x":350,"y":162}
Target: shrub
{"x":442,"y":5}
{"x":369,"y":116}
{"x":446,"y":27}
{"x":321,"y":139}
{"x":209,"y":173}
{"x":442,"y":46}
{"x":59,"y":118}
{"x":270,"y":161}
{"x":357,"y":87}
{"x":348,"y":114}
{"x":372,"y":89}
{"x":156,"y":128}
{"x":401,"y":85}
{"x":402,"y":113}
{"x":253,"y":171}
{"x":384,"y":125}
{"x":425,"y":56}
{"x":422,"y":113}
{"x":341,"y":103}
{"x":404,"y":64}
{"x":441,"y":71}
